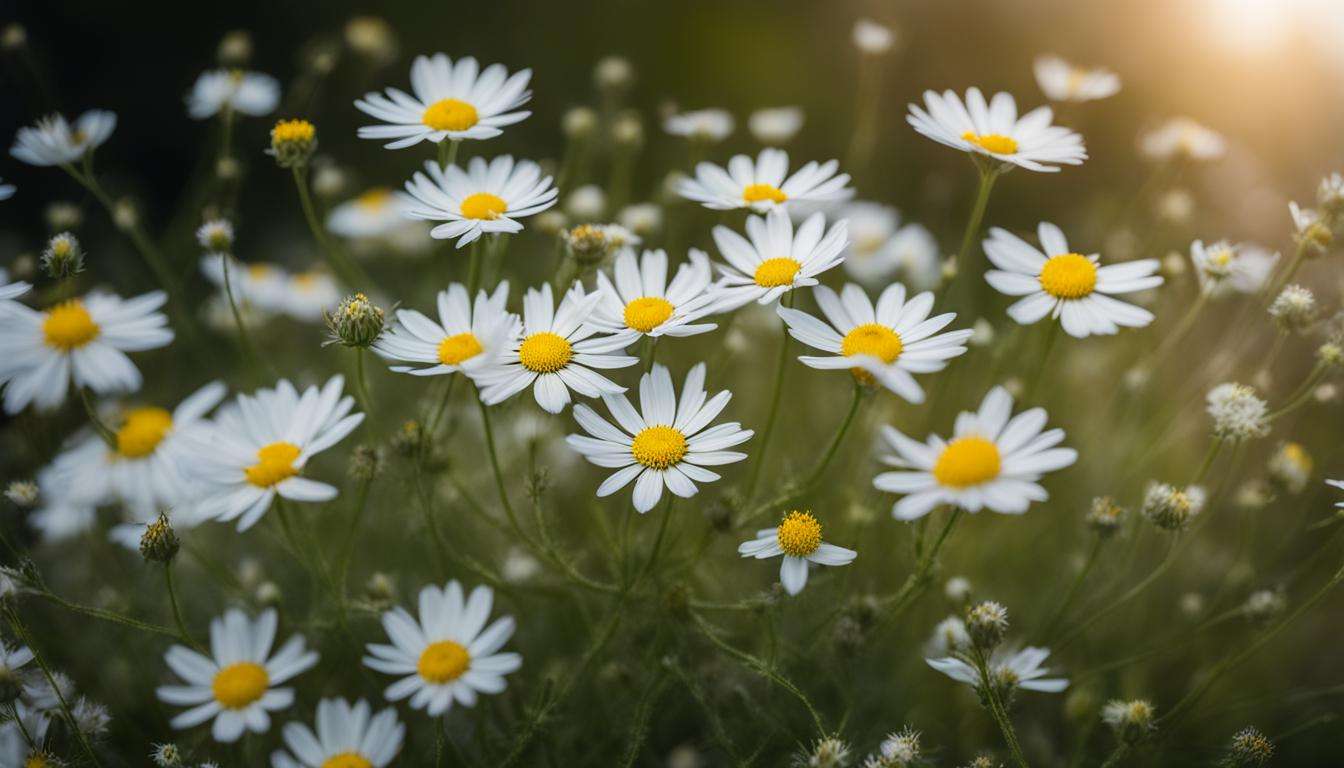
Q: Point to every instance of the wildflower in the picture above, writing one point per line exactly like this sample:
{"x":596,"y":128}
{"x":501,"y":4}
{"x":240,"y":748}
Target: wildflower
{"x":468,"y":337}
{"x":586,"y":203}
{"x":1236,"y":412}
{"x":987,"y":623}
{"x":872,"y":38}
{"x":1290,"y":466}
{"x":992,"y":462}
{"x":994,"y":130}
{"x":662,"y":444}
{"x":232,"y":90}
{"x":14,"y":37}
{"x":1182,"y":138}
{"x":1249,"y":749}
{"x":83,"y":340}
{"x":11,"y":661}
{"x":1172,"y":508}
{"x":775,"y":126}
{"x":448,"y":654}
{"x":1104,"y":516}
{"x":643,"y":219}
{"x":798,"y":539}
{"x":638,"y":301}
{"x":1330,"y":194}
{"x":293,"y":142}
{"x":705,"y":125}
{"x":897,"y":750}
{"x":357,"y":322}
{"x":588,"y":244}
{"x":90,"y":717}
{"x":870,"y":255}
{"x":53,"y":141}
{"x":1330,"y":354}
{"x":308,"y":296}
{"x":1061,"y":81}
{"x":949,"y":636}
{"x":487,"y":198}
{"x":1069,"y":286}
{"x":22,"y":493}
{"x":1175,"y":205}
{"x":764,"y":184}
{"x":346,"y":736}
{"x":235,"y":684}
{"x":452,"y":102}
{"x":957,"y":589}
{"x":125,"y":216}
{"x":1011,"y":669}
{"x":1294,"y":309}
{"x":579,"y":123}
{"x":756,"y":270}
{"x":372,"y":38}
{"x":1132,"y":721}
{"x":613,"y":73}
{"x":377,"y":211}
{"x":1263,"y":605}
{"x":826,"y":752}
{"x":1311,"y":230}
{"x":235,"y":48}
{"x":627,"y":130}
{"x":166,"y":755}
{"x":159,"y":543}
{"x":883,"y":344}
{"x":1224,"y":267}
{"x":215,"y":235}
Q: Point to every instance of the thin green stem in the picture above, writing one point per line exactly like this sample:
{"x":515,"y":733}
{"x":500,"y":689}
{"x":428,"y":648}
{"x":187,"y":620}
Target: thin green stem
{"x":21,"y":632}
{"x":1051,"y":337}
{"x":347,"y":270}
{"x":474,"y":269}
{"x":500,"y":488}
{"x":658,"y":541}
{"x":177,"y":610}
{"x":650,"y":352}
{"x":1113,"y":605}
{"x":102,"y":429}
{"x":918,"y":580}
{"x":244,"y":340}
{"x":1302,"y":394}
{"x":448,"y":152}
{"x":988,"y":175}
{"x":761,"y":452}
{"x":1215,"y":446}
{"x":1176,"y":335}
{"x":1062,"y":609}
{"x":106,"y":615}
{"x":999,"y":712}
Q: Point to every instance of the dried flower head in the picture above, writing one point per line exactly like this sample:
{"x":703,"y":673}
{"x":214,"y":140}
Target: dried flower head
{"x":1294,"y":309}
{"x":1237,"y":412}
{"x":159,"y":543}
{"x":1131,"y":720}
{"x":828,"y":752}
{"x":1172,"y":508}
{"x":1249,"y":749}
{"x":1105,"y":516}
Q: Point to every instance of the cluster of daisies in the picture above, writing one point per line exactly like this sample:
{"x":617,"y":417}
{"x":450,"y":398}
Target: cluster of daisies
{"x":40,"y":698}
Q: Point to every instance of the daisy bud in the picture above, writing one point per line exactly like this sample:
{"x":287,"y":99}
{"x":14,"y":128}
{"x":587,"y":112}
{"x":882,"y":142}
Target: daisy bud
{"x":21,"y":493}
{"x":292,"y":143}
{"x":957,"y":589}
{"x":586,"y":203}
{"x":159,"y":543}
{"x":949,"y":635}
{"x":872,"y":38}
{"x":1250,"y":749}
{"x":380,"y":589}
{"x":215,"y":235}
{"x":987,"y":623}
{"x":1330,"y":195}
{"x":579,"y":123}
{"x":828,"y":752}
{"x":1330,"y":354}
{"x":1294,"y":309}
{"x":366,"y":463}
{"x":1105,"y":516}
{"x":1236,"y":412}
{"x":1170,"y":508}
{"x":643,"y":219}
{"x":588,"y":244}
{"x":371,"y":37}
{"x":613,"y":73}
{"x":1290,"y":467}
{"x":1132,"y":721}
{"x":14,"y":37}
{"x":627,"y":130}
{"x":1263,"y":605}
{"x":268,"y":594}
{"x":356,"y":322}
{"x":63,"y":258}
{"x":62,"y":216}
{"x":125,"y":215}
{"x":166,"y":755}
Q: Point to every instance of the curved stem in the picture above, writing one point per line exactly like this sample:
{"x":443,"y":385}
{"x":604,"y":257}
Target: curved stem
{"x":780,"y":365}
{"x":499,"y":475}
{"x":349,"y":272}
{"x":919,"y":578}
{"x":474,"y":269}
{"x":988,"y":175}
{"x":102,"y":429}
{"x":244,"y":340}
{"x":1214,"y":447}
{"x":1062,"y":609}
{"x":177,"y":610}
{"x":1134,"y":592}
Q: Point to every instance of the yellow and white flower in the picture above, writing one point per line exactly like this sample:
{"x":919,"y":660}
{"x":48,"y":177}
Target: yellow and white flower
{"x":763,"y":184}
{"x":487,"y":198}
{"x":259,"y":284}
{"x":53,"y":141}
{"x":709,"y":125}
{"x":235,"y":684}
{"x":1061,"y":81}
{"x":219,"y":90}
{"x":665,"y":443}
{"x":776,"y":125}
{"x":451,"y":101}
{"x":1224,"y":268}
{"x":886,"y":343}
{"x":1020,"y":668}
{"x":993,"y":129}
{"x":466,"y":338}
{"x":1181,"y":137}
{"x":308,"y":296}
{"x":992,"y":462}
{"x":880,"y":249}
{"x":257,"y":446}
{"x":83,"y":340}
{"x":798,"y":539}
{"x":449,"y":654}
{"x":775,"y":259}
{"x":346,"y":736}
{"x":640,"y":302}
{"x":1067,"y":286}
{"x":556,"y":352}
{"x":378,"y":211}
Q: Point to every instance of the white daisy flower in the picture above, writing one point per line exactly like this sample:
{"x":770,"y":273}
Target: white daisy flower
{"x":1311,"y":229}
{"x":13,"y":659}
{"x":1061,"y":81}
{"x":777,"y":125}
{"x":378,"y":211}
{"x":7,"y":190}
{"x":761,"y":185}
{"x":776,"y":259}
{"x":346,"y":736}
{"x":84,"y":340}
{"x":556,"y":352}
{"x":10,"y":291}
{"x":798,"y":540}
{"x":886,"y":343}
{"x":448,"y":654}
{"x":712,"y":125}
{"x":28,"y":724}
{"x":664,"y":443}
{"x":1065,"y":285}
{"x":640,"y":301}
{"x":217,"y":90}
{"x":60,"y":518}
{"x":487,"y":198}
{"x":467,"y":337}
{"x":1022,"y":668}
{"x":309,"y":295}
{"x":235,"y":683}
{"x":994,"y":130}
{"x":53,"y":141}
{"x":1340,"y":485}
{"x":991,"y":462}
{"x":257,"y":446}
{"x":1181,"y":137}
{"x":451,"y":101}
{"x":1224,"y":268}
{"x":871,"y":228}
{"x":873,"y":38}
{"x":259,"y":284}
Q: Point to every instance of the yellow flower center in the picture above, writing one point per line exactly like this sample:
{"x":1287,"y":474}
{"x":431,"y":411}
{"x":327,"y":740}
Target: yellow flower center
{"x":773,"y":273}
{"x":275,"y":462}
{"x":347,"y":760}
{"x":450,"y":115}
{"x":1221,"y":257}
{"x":483,"y":205}
{"x":545,"y":352}
{"x":454,"y":349}
{"x":1068,"y":276}
{"x":38,"y":760}
{"x":992,"y":142}
{"x":443,"y":662}
{"x":287,"y":131}
{"x":1295,"y":454}
{"x":374,"y":199}
{"x":872,"y":339}
{"x":799,"y":534}
{"x":68,"y":326}
{"x":645,"y":314}
{"x":240,"y":684}
{"x":967,"y":461}
{"x":142,"y":431}
{"x":756,"y":193}
{"x":659,"y":447}
{"x":260,"y":271}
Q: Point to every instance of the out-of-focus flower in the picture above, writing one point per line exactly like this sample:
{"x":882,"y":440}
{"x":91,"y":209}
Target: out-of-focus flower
{"x":1290,"y":466}
{"x":1132,"y":721}
{"x":1061,"y":81}
{"x":293,"y":142}
{"x":1182,"y":137}
{"x":377,"y":211}
{"x":708,"y":125}
{"x":873,"y":38}
{"x":1172,"y":508}
{"x":1237,"y":413}
{"x":371,"y":37}
{"x":215,"y":235}
{"x":1311,"y":230}
{"x":587,"y":203}
{"x":613,"y":73}
{"x":579,"y":122}
{"x":487,"y":198}
{"x":53,"y":141}
{"x":764,"y":184}
{"x":1105,"y":516}
{"x":644,"y":219}
{"x":452,"y":102}
{"x":993,"y":130}
{"x":7,"y":190}
{"x":233,"y":90}
{"x":63,"y":258}
{"x":948,"y":637}
{"x":1224,"y":267}
{"x":1294,"y":309}
{"x":777,"y":125}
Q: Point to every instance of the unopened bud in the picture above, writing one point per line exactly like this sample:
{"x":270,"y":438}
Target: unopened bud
{"x":292,"y":143}
{"x":987,"y":623}
{"x":159,"y":543}
{"x":356,"y":322}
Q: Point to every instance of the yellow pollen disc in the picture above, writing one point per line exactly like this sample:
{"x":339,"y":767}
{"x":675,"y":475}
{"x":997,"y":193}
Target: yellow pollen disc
{"x":756,"y":193}
{"x":450,"y":115}
{"x":443,"y":662}
{"x":347,"y":760}
{"x":659,"y":447}
{"x":1221,"y":257}
{"x":799,"y":534}
{"x":374,"y":199}
{"x":292,"y":130}
{"x":455,"y":349}
{"x":69,"y":326}
{"x":992,"y":142}
{"x":275,"y":462}
{"x":1068,"y":276}
{"x":240,"y":684}
{"x":545,"y":352}
{"x":645,"y":314}
{"x":260,"y":271}
{"x":872,"y":339}
{"x":773,"y":273}
{"x":484,"y":205}
{"x":142,"y":431}
{"x":967,"y":461}
{"x":37,"y":760}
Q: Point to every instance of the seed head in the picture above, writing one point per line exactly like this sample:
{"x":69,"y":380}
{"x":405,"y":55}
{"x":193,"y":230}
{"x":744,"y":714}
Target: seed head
{"x":166,"y":755}
{"x":1294,"y":309}
{"x":827,"y":752}
{"x":1249,"y":749}
{"x":215,"y":236}
{"x":987,"y":623}
{"x":62,"y":216}
{"x":1171,"y":508}
{"x":588,"y":244}
{"x":1105,"y":516}
{"x":63,"y":258}
{"x":579,"y":122}
{"x":613,"y":73}
{"x":235,"y":49}
{"x":1236,"y":412}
